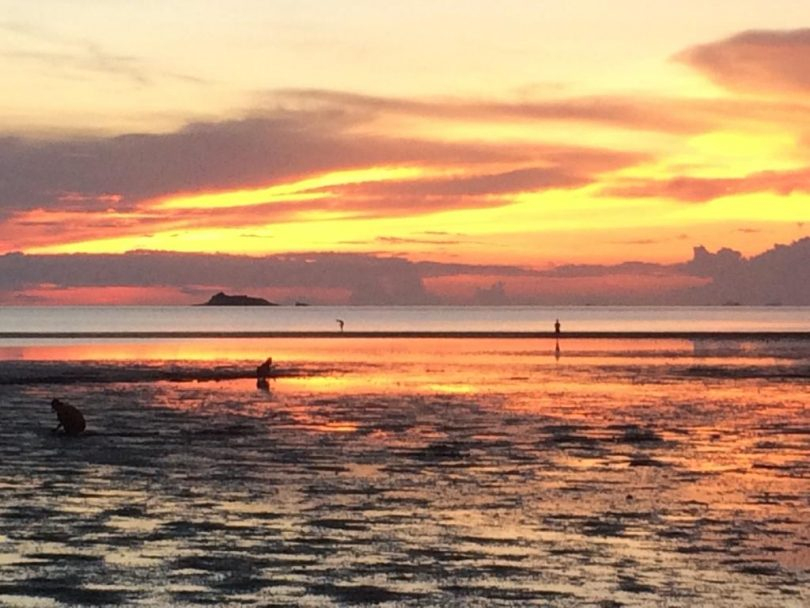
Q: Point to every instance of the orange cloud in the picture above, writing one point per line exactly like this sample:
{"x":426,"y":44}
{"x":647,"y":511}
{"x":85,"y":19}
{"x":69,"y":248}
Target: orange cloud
{"x":698,"y":190}
{"x":610,"y":286}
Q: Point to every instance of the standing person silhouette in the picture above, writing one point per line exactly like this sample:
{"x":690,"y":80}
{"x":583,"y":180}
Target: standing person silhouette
{"x":340,"y":323}
{"x":557,"y":337}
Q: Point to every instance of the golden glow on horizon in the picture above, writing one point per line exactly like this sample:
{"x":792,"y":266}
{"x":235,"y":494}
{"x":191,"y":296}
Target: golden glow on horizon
{"x":516,"y":131}
{"x":735,"y":154}
{"x":301,"y":190}
{"x":508,"y":232}
{"x":789,"y":209}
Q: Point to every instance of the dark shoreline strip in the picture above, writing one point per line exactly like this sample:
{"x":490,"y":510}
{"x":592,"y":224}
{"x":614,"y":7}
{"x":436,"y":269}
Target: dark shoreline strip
{"x":596,"y":335}
{"x":108,"y":376}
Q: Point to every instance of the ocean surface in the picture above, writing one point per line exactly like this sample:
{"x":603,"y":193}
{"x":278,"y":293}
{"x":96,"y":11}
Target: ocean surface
{"x":407,"y":471}
{"x":156,"y":319}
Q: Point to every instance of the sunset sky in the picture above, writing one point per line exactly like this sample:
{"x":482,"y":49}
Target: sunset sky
{"x":504,"y":138}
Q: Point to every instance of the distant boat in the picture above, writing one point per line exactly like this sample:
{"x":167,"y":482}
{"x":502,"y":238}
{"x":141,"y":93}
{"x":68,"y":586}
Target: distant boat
{"x":301,"y":304}
{"x":223,"y":299}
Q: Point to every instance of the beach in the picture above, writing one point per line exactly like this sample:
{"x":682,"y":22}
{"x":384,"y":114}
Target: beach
{"x":407,"y":471}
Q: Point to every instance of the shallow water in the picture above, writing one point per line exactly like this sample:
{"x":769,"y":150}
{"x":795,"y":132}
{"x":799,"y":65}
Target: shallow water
{"x":408,"y":473}
{"x":161,"y":319}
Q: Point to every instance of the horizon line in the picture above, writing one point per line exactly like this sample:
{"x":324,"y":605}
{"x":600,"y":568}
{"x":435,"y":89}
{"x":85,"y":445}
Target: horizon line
{"x":443,"y":334}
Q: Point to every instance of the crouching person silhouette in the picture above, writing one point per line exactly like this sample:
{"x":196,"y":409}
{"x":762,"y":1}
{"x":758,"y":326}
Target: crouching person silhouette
{"x":70,"y":418}
{"x":264,"y":369}
{"x":262,"y":372}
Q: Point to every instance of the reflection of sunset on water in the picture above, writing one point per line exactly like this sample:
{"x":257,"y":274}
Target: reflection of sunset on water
{"x":685,"y":458}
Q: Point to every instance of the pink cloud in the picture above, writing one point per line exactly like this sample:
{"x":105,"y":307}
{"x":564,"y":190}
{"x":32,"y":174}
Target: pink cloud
{"x":699,"y":190}
{"x":756,"y":61}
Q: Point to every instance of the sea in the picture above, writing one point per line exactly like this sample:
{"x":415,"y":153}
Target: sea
{"x":162,"y":319}
{"x":422,"y":456}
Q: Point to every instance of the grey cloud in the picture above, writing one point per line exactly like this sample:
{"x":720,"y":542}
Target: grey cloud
{"x":494,"y":295}
{"x":159,"y":268}
{"x":279,"y":145}
{"x":200,"y":157}
{"x":631,"y":113}
{"x":779,"y":275}
{"x":571,"y":271}
{"x":371,"y":280}
{"x":647,"y":114}
{"x":714,"y":265}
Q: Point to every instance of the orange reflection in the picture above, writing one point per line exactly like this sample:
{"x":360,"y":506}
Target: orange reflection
{"x":316,"y":424}
{"x":143,"y":350}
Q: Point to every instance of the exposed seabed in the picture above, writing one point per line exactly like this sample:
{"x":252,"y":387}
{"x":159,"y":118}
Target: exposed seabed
{"x":469,"y":476}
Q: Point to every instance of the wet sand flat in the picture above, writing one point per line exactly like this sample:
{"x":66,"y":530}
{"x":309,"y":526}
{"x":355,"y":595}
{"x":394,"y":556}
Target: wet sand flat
{"x":411,"y":473}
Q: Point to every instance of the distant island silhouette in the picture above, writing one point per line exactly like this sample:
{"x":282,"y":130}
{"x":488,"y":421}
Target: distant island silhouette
{"x":223,"y":299}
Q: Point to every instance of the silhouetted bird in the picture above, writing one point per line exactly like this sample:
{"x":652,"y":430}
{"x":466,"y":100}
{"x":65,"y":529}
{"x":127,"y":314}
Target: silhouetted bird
{"x":70,"y":418}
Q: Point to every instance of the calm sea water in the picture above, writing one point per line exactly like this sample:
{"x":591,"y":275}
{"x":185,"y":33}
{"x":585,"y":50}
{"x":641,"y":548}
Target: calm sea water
{"x":523,"y":318}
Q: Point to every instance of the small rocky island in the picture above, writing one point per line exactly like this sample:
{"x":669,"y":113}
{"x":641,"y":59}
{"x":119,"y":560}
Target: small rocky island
{"x":223,"y":299}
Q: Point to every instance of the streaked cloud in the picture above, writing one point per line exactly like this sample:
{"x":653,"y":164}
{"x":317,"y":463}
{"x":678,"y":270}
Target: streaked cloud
{"x":653,"y":114}
{"x":757,"y":61}
{"x":69,"y":57}
{"x":699,"y":190}
{"x":205,"y":157}
{"x":282,"y":165}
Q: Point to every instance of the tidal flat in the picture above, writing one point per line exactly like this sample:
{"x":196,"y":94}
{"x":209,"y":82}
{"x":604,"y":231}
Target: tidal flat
{"x":410,"y":472}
